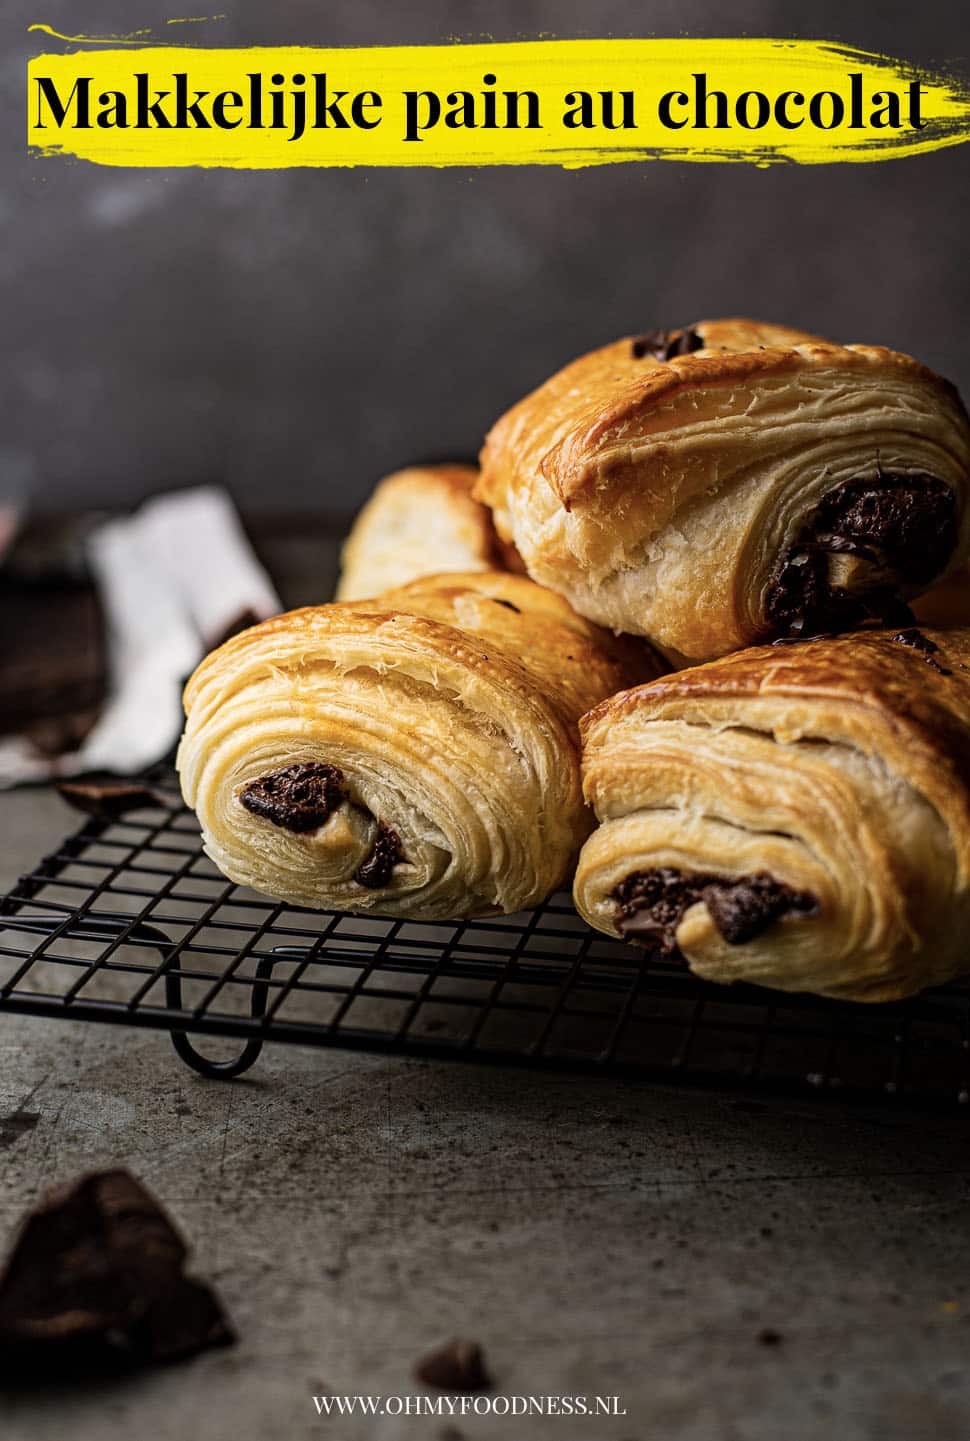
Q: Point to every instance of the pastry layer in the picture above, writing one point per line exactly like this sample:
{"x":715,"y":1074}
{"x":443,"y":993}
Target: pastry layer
{"x":420,"y":521}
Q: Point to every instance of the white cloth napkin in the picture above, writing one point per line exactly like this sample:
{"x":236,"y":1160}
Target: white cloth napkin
{"x":172,"y":579}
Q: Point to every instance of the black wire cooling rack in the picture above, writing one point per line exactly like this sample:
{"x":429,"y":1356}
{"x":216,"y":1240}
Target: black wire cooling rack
{"x":129,"y":922}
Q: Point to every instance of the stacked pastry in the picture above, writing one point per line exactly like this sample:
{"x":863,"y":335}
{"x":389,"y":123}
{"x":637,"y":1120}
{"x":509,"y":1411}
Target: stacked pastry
{"x":419,"y":521}
{"x":795,"y":814}
{"x":732,"y":482}
{"x":412,"y":755}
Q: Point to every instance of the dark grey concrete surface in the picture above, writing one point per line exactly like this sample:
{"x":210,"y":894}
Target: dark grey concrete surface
{"x":596,"y":1238}
{"x":298,"y":333}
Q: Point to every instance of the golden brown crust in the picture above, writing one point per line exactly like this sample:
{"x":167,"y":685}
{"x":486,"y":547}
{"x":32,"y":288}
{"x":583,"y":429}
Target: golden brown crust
{"x":659,"y":495}
{"x":419,"y":521}
{"x":449,"y":710}
{"x":839,"y":766}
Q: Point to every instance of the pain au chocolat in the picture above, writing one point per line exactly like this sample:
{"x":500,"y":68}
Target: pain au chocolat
{"x":415,"y":755}
{"x":793,"y":816}
{"x":420,"y":521}
{"x":732,"y":482}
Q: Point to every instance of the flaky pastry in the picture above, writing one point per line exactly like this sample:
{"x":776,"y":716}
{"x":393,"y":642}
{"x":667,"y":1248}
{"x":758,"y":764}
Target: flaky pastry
{"x":730,"y":482}
{"x":794,"y":816}
{"x":420,"y":521}
{"x":415,"y":755}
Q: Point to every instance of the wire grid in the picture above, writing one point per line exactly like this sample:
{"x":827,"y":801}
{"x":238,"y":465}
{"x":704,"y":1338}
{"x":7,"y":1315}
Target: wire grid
{"x":129,"y":922}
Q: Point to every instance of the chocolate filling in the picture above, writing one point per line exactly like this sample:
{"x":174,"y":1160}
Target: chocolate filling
{"x":375,"y":872}
{"x":905,"y":524}
{"x":652,"y":903}
{"x":299,"y":797}
{"x":665,"y":344}
{"x":507,"y":603}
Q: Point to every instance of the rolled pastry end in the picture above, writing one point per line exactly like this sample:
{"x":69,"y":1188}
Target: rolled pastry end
{"x":301,"y":798}
{"x":415,"y":756}
{"x":729,"y":483}
{"x":651,"y":905}
{"x":867,"y":547}
{"x":732,"y":906}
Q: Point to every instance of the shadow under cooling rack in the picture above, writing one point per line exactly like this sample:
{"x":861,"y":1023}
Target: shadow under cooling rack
{"x":129,"y":922}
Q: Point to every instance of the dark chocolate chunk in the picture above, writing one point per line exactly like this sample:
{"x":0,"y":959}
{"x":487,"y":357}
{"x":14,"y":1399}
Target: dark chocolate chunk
{"x":911,"y":519}
{"x":741,"y":910}
{"x":459,"y":1366}
{"x":652,"y":904}
{"x":299,"y":797}
{"x":107,"y":800}
{"x":375,"y":872}
{"x":665,"y":344}
{"x":904,"y":523}
{"x":97,"y":1276}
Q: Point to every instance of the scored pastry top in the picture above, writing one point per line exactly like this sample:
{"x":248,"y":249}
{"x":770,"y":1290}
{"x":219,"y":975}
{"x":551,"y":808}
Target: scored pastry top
{"x":721,"y":483}
{"x":623,"y":391}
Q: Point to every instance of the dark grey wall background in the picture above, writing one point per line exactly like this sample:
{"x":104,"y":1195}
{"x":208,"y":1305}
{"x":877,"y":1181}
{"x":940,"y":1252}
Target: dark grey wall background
{"x":298,"y":333}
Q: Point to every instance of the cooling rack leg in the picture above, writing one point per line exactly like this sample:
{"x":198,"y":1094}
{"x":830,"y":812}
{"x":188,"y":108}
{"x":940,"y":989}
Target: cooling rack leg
{"x":215,"y":1070}
{"x":250,"y":1053}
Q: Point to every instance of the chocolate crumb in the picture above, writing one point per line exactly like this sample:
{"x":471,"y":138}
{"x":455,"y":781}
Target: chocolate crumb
{"x":458,"y":1366}
{"x":96,"y":1277}
{"x":769,"y":1337}
{"x":665,"y":344}
{"x":108,"y":800}
{"x":916,"y":640}
{"x":375,"y":872}
{"x":804,"y":639}
{"x":298,"y":798}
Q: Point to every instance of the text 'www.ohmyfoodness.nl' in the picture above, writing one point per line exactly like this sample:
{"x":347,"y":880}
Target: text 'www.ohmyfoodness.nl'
{"x":465,"y":1405}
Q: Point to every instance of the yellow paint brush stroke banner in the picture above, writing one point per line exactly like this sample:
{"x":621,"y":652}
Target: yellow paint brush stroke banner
{"x":551,"y":102}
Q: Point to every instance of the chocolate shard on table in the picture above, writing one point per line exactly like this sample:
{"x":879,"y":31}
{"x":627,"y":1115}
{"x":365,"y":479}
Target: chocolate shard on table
{"x":97,"y":1278}
{"x":109,"y":800}
{"x":457,"y":1366}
